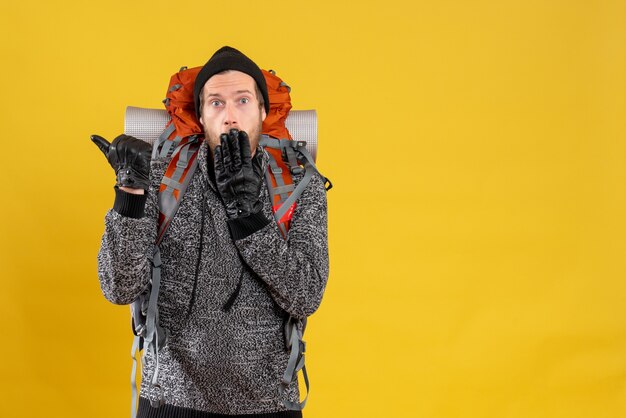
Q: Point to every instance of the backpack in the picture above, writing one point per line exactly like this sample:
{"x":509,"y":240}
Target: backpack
{"x":180,"y":142}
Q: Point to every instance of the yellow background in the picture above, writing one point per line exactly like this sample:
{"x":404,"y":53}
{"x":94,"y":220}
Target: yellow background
{"x":477,"y":224}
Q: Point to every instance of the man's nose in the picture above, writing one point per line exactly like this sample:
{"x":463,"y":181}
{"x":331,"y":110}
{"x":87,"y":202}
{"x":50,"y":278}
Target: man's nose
{"x":231,"y":116}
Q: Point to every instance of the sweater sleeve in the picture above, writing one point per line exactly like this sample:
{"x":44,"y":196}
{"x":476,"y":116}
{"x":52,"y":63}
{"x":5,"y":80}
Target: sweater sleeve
{"x":126,"y":249}
{"x":295,"y":269}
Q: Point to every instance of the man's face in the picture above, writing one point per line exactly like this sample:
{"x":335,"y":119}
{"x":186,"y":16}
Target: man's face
{"x":229,"y":101}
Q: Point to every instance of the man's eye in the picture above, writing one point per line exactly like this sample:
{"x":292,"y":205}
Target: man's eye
{"x":215,"y":103}
{"x":244,"y":100}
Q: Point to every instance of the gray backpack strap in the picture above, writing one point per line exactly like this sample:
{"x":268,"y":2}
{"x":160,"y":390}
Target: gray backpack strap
{"x":149,"y":335}
{"x":293,"y":150}
{"x":155,"y":335}
{"x":296,"y":154}
{"x":268,"y":181}
{"x":170,"y":146}
{"x":309,"y":169}
{"x":163,"y":138}
{"x":186,"y":164}
{"x":294,"y":331}
{"x":281,"y":189}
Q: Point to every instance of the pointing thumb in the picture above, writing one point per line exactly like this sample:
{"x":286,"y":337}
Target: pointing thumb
{"x":102,"y":143}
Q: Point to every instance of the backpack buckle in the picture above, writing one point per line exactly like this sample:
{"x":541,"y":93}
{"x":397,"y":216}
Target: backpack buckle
{"x":327,"y":184}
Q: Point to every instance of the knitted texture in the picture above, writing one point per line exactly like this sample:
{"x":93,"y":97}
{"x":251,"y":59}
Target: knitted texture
{"x":218,"y":361}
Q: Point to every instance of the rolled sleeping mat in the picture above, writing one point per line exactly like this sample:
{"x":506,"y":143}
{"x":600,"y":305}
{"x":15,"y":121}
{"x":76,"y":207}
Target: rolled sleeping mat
{"x":148,"y":124}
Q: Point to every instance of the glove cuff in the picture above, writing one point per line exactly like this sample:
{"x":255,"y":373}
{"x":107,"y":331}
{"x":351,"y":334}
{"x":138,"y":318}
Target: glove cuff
{"x":130,"y":205}
{"x":247,"y":225}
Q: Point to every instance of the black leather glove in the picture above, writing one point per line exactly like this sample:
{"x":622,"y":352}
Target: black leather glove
{"x":239,"y":176}
{"x":130,"y":158}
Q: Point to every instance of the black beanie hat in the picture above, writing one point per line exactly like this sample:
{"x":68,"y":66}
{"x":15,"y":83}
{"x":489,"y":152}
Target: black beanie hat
{"x":227,"y":58}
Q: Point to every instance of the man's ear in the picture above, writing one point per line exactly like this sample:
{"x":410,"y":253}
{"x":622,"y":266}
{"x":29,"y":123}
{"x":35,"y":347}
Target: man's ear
{"x":263,"y":114}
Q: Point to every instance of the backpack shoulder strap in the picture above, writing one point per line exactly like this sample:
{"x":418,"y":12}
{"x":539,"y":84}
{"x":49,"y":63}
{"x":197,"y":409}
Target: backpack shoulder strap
{"x":144,"y":310}
{"x":175,"y":181}
{"x":294,"y":332}
{"x":298,"y":161}
{"x":296,"y":152}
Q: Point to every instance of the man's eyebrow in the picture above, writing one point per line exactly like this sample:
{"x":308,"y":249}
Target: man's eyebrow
{"x":237,"y":92}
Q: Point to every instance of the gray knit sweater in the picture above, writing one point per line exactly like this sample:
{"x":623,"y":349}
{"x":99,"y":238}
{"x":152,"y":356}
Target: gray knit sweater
{"x":227,"y":362}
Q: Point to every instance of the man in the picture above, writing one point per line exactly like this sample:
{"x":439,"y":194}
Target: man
{"x":228,"y":277}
